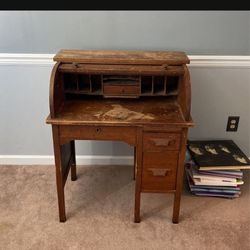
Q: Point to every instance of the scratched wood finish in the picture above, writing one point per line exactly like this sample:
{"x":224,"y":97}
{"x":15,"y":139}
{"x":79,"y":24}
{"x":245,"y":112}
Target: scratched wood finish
{"x":121,"y":69}
{"x":122,"y":57}
{"x":125,"y":111}
{"x":140,"y":97}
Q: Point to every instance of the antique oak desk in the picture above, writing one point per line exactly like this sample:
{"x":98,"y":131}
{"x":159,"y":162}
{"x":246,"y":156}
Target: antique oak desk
{"x":139,"y":97}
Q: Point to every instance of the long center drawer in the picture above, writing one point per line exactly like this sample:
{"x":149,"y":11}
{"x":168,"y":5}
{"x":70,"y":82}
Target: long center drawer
{"x":122,"y":133}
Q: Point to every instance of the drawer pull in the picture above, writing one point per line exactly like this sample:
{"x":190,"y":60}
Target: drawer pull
{"x":162,"y":142}
{"x":159,"y":171}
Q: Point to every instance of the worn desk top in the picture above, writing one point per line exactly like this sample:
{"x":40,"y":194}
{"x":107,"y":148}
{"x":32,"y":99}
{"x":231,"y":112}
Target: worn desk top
{"x":120,"y":112}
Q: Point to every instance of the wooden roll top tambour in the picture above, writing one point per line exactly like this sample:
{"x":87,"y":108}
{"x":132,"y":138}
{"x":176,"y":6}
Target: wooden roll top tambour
{"x":135,"y":73}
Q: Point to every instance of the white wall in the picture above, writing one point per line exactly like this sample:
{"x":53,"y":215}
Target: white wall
{"x":219,"y":92}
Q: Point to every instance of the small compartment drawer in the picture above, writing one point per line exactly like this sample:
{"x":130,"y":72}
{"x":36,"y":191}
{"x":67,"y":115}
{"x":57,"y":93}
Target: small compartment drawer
{"x":159,"y":171}
{"x":155,"y":142}
{"x":121,"y":90}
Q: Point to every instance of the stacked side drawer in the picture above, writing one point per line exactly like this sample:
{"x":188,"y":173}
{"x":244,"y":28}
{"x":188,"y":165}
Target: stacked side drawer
{"x":160,"y":161}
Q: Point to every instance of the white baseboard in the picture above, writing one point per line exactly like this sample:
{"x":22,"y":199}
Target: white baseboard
{"x":80,"y":160}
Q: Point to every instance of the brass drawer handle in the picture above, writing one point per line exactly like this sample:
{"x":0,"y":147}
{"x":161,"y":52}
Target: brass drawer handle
{"x":163,"y":142}
{"x":159,"y":171}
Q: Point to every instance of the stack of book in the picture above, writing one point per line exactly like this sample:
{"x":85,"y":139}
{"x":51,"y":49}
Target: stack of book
{"x":214,"y":168}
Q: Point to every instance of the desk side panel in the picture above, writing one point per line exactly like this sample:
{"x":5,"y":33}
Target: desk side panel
{"x":184,"y":94}
{"x":56,"y":95}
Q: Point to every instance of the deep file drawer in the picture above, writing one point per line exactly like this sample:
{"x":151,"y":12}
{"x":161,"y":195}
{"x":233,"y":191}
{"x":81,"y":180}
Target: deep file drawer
{"x":159,"y":171}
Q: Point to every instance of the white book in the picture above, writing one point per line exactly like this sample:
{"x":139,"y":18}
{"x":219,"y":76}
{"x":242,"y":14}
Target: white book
{"x":207,"y":177}
{"x":200,"y":182}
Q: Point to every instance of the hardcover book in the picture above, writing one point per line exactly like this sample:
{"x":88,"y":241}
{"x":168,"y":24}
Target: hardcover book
{"x":205,"y":189}
{"x":217,"y":155}
{"x":210,"y":182}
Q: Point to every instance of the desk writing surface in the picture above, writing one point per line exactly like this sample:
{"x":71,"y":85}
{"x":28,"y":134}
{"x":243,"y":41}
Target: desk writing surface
{"x":119,"y":111}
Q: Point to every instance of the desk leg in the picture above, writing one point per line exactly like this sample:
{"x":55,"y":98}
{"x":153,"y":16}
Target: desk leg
{"x":134,"y":163}
{"x":59,"y":173}
{"x":73,"y":166}
{"x":138,"y":177}
{"x":179,"y":184}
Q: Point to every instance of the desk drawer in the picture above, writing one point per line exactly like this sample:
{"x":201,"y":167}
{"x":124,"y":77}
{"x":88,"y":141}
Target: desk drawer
{"x":159,"y":171}
{"x":156,"y":142}
{"x":121,"y":90}
{"x":119,"y":133}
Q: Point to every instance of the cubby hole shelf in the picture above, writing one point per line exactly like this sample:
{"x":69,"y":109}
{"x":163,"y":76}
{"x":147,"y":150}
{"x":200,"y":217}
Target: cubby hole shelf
{"x":93,"y":84}
{"x":146,"y":85}
{"x":172,"y":85}
{"x":159,"y":85}
{"x":83,"y":84}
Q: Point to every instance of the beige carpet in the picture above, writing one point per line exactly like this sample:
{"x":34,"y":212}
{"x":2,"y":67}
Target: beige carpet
{"x":100,"y":214}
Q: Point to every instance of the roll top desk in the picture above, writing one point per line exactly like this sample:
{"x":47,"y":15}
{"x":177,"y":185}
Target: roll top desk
{"x":139,"y":97}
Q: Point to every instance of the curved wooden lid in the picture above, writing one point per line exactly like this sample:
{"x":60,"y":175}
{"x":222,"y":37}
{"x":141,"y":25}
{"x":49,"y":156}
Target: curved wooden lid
{"x":122,"y":57}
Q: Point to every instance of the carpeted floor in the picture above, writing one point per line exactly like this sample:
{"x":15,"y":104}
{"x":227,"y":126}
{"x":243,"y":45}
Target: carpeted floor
{"x":100,"y":207}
